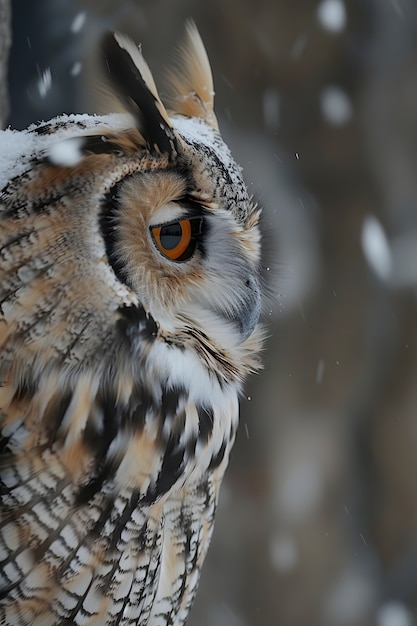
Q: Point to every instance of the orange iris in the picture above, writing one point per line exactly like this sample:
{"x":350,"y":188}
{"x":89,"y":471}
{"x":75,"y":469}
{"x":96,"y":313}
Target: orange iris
{"x":176,"y":240}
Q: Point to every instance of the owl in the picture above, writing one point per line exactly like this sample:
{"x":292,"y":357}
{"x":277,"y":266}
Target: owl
{"x":130,"y":295}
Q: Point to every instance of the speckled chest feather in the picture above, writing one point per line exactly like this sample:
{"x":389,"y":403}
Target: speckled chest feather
{"x":129,"y":305}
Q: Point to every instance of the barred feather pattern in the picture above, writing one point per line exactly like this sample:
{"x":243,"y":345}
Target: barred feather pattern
{"x":120,"y":365}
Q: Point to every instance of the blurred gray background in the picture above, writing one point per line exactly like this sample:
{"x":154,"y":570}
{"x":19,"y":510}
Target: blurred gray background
{"x":317,"y":522}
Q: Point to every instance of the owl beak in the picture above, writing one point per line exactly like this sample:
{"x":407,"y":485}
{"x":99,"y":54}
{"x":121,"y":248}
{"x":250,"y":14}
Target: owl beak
{"x":249,"y":309}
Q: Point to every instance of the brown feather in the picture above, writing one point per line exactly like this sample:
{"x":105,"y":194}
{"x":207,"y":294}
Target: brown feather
{"x":191,"y":83}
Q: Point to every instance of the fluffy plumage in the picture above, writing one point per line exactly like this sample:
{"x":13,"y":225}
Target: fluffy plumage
{"x":130,"y":297}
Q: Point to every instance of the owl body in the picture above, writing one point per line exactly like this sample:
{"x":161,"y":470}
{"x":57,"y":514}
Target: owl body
{"x":130,"y":296}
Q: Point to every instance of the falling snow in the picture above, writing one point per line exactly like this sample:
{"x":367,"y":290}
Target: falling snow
{"x":352,"y":595}
{"x":66,"y":153}
{"x":45,"y":82}
{"x":301,"y":489}
{"x":271,"y":108}
{"x":376,"y":248}
{"x":336,"y":106}
{"x":394,"y":614}
{"x":76,"y":68}
{"x":78,"y":22}
{"x":332,"y":15}
{"x":283,"y":552}
{"x":320,"y":372}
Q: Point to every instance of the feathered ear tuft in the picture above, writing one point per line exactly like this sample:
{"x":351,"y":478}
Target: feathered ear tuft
{"x":191,"y":83}
{"x":135,"y":87}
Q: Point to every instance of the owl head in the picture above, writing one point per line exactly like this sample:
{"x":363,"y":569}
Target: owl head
{"x":182,"y":232}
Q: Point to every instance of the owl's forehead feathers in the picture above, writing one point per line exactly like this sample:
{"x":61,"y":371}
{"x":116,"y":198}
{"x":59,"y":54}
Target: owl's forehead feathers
{"x":212,"y":164}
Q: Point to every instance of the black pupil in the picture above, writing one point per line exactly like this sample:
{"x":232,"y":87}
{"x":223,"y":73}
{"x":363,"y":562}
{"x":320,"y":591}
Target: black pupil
{"x":170,"y":235}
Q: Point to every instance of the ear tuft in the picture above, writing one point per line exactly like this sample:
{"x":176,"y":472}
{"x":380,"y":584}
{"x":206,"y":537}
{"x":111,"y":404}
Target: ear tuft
{"x":191,"y":82}
{"x":135,"y":87}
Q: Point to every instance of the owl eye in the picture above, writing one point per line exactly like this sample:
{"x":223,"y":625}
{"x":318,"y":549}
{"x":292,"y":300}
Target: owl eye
{"x":177,"y":240}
